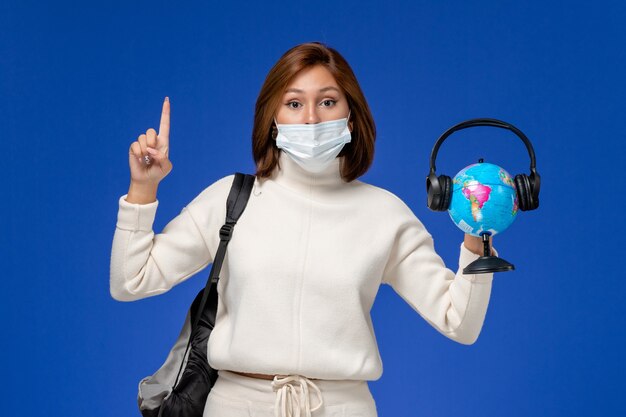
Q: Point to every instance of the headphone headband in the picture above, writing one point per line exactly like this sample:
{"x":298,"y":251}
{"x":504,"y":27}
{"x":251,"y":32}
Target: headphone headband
{"x":483,"y":122}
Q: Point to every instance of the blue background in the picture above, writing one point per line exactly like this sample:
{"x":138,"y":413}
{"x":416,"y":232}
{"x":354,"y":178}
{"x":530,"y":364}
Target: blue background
{"x":79,"y":82}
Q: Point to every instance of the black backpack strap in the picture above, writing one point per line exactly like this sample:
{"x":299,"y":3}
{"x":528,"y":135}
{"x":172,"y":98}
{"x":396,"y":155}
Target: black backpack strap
{"x":238,"y":197}
{"x":235,"y":204}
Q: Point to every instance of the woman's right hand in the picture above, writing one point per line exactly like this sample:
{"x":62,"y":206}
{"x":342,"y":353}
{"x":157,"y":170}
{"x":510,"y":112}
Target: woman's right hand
{"x":156,"y":147}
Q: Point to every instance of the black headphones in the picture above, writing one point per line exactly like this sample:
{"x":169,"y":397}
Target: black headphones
{"x":439,"y":188}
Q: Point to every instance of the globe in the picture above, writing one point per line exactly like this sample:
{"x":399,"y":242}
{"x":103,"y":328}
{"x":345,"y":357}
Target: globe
{"x":483,"y":199}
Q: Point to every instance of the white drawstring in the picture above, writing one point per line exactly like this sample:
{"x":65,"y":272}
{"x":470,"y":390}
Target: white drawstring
{"x":291,"y":398}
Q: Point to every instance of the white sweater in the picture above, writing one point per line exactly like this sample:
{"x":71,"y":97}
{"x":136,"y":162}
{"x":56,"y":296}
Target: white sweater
{"x":301,"y":272}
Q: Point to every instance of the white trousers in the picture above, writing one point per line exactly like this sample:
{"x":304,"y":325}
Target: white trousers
{"x":235,"y":395}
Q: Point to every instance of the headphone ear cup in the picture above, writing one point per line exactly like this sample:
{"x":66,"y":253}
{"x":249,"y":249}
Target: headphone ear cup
{"x":446,"y":194}
{"x":433,"y":187}
{"x":535,"y":184}
{"x":522,"y":187}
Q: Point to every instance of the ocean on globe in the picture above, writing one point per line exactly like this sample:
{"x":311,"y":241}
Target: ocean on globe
{"x":483,"y":199}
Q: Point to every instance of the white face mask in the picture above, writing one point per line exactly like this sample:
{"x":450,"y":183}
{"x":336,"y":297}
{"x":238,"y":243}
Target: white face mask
{"x":313,"y":146}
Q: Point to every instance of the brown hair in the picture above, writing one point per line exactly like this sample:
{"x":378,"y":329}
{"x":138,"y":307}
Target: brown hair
{"x":359,"y":152}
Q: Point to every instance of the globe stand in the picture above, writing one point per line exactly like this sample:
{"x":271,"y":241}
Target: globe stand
{"x":487,"y":263}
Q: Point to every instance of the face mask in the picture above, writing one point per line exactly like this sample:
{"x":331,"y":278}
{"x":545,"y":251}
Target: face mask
{"x":313,"y":146}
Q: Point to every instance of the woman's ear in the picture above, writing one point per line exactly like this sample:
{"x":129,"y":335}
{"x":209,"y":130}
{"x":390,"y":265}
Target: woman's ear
{"x":350,"y":124}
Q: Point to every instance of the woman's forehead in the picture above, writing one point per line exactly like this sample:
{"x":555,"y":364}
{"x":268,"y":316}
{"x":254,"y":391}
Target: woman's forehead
{"x":313,"y":79}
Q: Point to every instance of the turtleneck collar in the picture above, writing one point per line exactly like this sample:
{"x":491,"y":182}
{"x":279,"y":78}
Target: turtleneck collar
{"x":291,"y":175}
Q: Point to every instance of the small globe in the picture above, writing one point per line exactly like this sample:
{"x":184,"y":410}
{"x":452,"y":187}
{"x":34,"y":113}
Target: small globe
{"x":483,"y":199}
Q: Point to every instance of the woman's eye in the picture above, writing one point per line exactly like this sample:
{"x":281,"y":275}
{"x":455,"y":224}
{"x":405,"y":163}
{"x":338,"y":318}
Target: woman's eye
{"x":293,"y":104}
{"x":327,"y":103}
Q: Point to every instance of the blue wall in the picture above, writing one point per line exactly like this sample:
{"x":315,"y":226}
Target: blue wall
{"x":79,"y":82}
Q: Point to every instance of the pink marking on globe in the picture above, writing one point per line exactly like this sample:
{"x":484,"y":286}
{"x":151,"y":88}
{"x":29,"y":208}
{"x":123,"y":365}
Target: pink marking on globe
{"x":477,"y":194}
{"x":477,"y":190}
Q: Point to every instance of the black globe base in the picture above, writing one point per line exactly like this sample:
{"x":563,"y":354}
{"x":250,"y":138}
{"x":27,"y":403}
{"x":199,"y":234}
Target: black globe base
{"x":488,"y":263}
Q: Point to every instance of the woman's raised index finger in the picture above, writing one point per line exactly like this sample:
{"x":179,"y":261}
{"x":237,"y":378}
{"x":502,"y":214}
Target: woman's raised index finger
{"x":164,"y":127}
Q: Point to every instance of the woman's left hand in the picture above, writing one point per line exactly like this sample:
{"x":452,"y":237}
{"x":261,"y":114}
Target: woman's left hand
{"x":475,"y":244}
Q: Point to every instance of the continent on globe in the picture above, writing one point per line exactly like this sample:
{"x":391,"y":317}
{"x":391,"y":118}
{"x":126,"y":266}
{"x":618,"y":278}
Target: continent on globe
{"x":477,"y":194}
{"x":483,"y":199}
{"x":506,"y":178}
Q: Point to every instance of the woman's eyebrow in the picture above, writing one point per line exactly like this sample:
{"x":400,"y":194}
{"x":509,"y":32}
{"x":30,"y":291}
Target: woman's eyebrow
{"x":322,"y":90}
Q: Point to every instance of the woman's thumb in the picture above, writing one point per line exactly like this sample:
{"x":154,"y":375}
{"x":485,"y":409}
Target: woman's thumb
{"x":155,"y":153}
{"x":162,"y":159}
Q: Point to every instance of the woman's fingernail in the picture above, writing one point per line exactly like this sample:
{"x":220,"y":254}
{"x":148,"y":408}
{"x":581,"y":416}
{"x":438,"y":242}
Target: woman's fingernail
{"x":151,"y":150}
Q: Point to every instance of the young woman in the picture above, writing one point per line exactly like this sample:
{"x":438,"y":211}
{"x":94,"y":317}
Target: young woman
{"x":293,"y":333}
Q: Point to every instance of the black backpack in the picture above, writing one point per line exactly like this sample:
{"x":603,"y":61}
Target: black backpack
{"x":162,"y":395}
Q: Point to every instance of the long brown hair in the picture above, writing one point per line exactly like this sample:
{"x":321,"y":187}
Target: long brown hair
{"x":359,"y":152}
